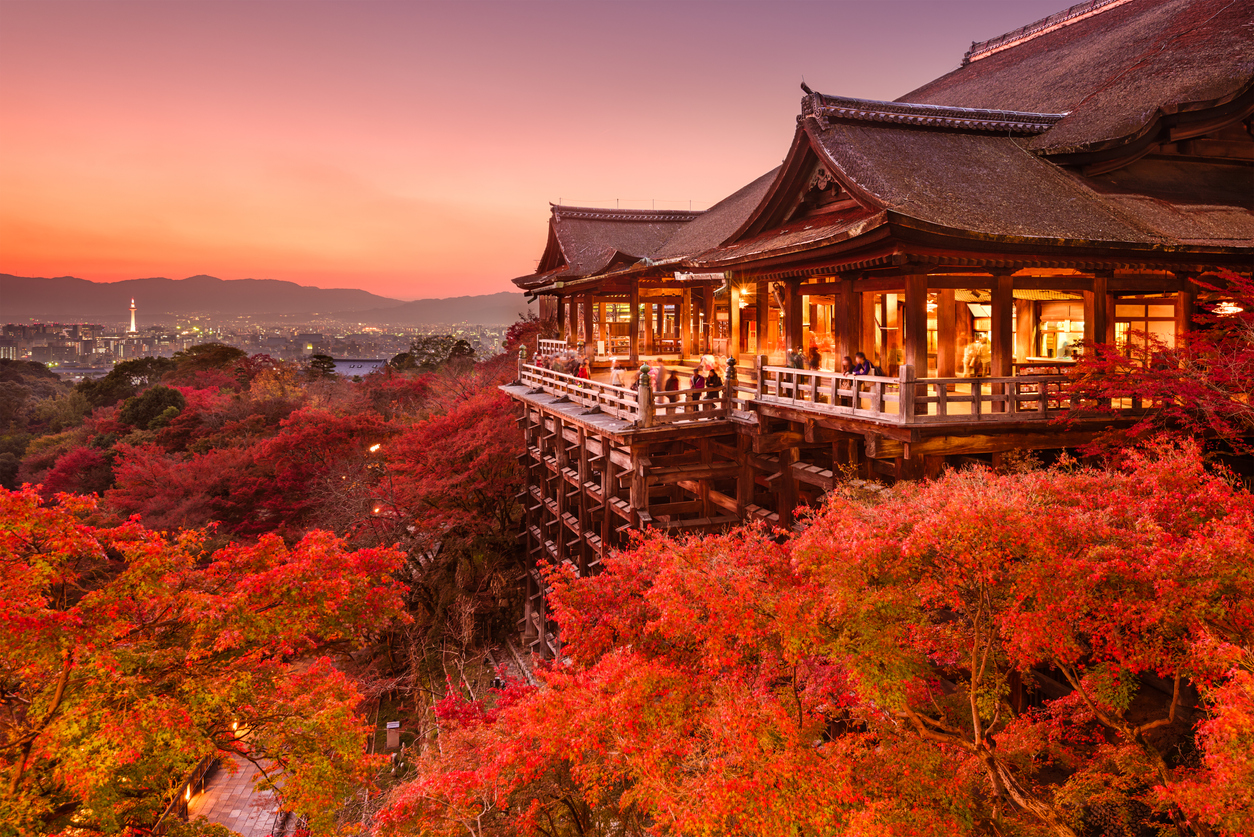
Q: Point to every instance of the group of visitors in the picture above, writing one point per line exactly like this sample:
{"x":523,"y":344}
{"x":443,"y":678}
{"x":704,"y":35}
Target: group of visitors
{"x":567,"y":363}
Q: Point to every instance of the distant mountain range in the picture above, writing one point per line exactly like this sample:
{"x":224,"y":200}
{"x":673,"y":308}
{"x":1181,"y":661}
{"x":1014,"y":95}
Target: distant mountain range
{"x":68,"y":299}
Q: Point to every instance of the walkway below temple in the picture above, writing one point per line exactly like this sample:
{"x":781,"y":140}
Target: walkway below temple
{"x":230,"y":800}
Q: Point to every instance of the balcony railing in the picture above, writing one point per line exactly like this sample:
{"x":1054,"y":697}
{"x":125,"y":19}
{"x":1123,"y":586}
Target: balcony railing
{"x":905,"y":400}
{"x":642,"y":407}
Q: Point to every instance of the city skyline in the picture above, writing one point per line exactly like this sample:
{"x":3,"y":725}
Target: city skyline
{"x":410,"y":150}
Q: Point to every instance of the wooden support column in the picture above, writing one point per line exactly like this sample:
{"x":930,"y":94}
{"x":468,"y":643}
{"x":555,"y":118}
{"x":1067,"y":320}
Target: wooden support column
{"x":648,"y":329}
{"x":572,"y":329}
{"x":787,"y":492}
{"x":794,"y":334}
{"x":1025,"y":323}
{"x":561,"y":316}
{"x":1003,"y":326}
{"x":559,"y":484}
{"x":685,"y":323}
{"x":1186,"y":307}
{"x":639,"y":496}
{"x":703,"y":446}
{"x":608,"y":487}
{"x":603,"y":329}
{"x":660,"y":313}
{"x":707,"y":319}
{"x":914,"y":325}
{"x":1096,"y":314}
{"x":1003,"y":336}
{"x":762,"y":316}
{"x":588,"y":337}
{"x":633,"y":326}
{"x":585,"y":519}
{"x":848,"y":324}
{"x":733,"y":323}
{"x":745,"y":476}
{"x":946,"y":333}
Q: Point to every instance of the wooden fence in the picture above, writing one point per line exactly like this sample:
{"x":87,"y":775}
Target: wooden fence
{"x":907,"y":400}
{"x":642,"y":407}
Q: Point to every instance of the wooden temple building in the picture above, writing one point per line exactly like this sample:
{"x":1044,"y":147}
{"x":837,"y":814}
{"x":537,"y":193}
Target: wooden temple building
{"x":1066,"y":183}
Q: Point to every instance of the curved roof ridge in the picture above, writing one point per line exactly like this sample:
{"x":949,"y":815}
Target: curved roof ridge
{"x":1066,"y":17}
{"x":934,"y":116}
{"x":601,"y":214}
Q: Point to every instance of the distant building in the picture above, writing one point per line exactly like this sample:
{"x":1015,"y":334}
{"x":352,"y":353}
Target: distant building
{"x":350,"y":367}
{"x":132,"y":329}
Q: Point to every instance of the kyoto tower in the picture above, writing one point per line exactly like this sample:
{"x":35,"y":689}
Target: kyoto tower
{"x":132,"y":329}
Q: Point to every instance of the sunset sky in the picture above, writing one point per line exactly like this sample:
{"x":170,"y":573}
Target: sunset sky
{"x":411,"y":148}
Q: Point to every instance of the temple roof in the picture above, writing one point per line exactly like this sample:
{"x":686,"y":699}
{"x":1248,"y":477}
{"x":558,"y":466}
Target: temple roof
{"x":1115,"y":67}
{"x":583,"y":240}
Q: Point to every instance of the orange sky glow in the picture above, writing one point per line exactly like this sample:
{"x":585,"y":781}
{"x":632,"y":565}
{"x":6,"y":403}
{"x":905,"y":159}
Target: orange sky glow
{"x":411,"y":149}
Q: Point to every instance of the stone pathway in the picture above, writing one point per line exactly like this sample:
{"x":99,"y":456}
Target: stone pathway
{"x":230,"y":800}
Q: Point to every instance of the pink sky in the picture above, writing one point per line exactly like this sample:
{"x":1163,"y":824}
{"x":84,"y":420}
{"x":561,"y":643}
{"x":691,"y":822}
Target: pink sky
{"x":411,"y":148}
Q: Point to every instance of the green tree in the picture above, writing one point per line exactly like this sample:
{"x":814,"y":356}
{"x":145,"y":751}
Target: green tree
{"x":126,"y":379}
{"x":321,"y":366}
{"x":154,"y":408}
{"x":432,"y":351}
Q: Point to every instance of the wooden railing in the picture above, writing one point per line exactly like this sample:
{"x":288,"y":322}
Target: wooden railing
{"x":642,"y":407}
{"x":907,"y":400}
{"x":549,"y":348}
{"x":620,"y":402}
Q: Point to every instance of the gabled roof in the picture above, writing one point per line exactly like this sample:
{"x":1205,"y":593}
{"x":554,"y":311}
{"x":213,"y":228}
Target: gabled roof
{"x":1115,"y":67}
{"x":584,"y":241}
{"x":949,"y":171}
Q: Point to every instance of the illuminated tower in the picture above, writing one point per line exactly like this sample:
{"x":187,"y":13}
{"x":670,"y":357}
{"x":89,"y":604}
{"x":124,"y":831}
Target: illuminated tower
{"x":132,"y":329}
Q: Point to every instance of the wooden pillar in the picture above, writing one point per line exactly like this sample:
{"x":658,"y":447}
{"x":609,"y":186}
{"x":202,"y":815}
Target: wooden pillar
{"x":707,"y":319}
{"x":745,"y":477}
{"x":787,"y":492}
{"x":633,"y":325}
{"x":848,"y":325}
{"x":946,"y":333}
{"x":603,"y":329}
{"x":1025,"y":327}
{"x":639,"y":495}
{"x":733,"y":323}
{"x":659,"y":311}
{"x":572,"y":330}
{"x":762,"y":316}
{"x":561,"y":316}
{"x":607,"y":492}
{"x":1095,"y":311}
{"x":914,"y":327}
{"x":794,"y":334}
{"x":1186,"y":307}
{"x":648,"y":328}
{"x":588,"y":337}
{"x":585,"y":519}
{"x":685,"y":323}
{"x":1003,"y":336}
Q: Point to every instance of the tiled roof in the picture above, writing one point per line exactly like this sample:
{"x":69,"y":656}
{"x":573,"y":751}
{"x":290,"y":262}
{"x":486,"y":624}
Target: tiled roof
{"x":1115,"y":68}
{"x":930,"y":116}
{"x":586,"y":240}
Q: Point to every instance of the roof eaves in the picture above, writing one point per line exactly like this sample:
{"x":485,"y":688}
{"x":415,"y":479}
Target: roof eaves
{"x":823,"y":108}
